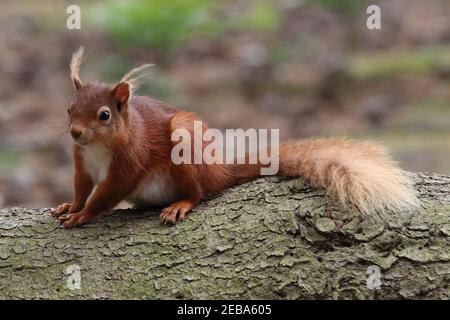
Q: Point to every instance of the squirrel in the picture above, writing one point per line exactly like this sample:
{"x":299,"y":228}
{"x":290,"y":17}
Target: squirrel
{"x":122,"y":148}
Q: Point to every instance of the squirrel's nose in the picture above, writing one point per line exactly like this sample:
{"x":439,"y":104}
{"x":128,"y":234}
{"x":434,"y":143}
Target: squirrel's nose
{"x":75,"y":132}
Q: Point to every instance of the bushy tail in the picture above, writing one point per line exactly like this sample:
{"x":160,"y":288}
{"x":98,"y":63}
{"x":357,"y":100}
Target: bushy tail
{"x":357,"y":173}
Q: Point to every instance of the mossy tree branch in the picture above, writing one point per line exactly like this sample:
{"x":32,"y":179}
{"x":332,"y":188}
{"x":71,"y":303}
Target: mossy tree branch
{"x":272,"y":238}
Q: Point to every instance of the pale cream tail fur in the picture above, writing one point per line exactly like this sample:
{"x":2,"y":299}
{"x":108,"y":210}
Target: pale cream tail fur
{"x":358,"y":173}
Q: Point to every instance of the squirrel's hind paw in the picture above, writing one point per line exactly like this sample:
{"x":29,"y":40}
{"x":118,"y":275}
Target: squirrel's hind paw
{"x":180,"y":209}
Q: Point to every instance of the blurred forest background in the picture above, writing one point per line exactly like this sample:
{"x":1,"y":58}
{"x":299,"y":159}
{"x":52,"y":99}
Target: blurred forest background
{"x":307,"y":67}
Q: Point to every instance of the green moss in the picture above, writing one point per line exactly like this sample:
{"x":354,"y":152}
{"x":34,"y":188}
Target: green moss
{"x":9,"y":159}
{"x":399,"y":62}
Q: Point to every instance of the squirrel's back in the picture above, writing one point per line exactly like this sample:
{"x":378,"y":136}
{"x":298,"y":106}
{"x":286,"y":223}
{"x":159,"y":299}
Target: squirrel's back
{"x":358,"y":173}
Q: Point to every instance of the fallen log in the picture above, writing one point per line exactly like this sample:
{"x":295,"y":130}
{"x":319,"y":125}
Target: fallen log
{"x":272,"y":238}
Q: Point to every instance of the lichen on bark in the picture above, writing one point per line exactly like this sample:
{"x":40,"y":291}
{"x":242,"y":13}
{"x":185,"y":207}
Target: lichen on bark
{"x":272,"y":238}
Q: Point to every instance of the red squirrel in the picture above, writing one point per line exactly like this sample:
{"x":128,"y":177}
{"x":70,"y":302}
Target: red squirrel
{"x":123,"y":149}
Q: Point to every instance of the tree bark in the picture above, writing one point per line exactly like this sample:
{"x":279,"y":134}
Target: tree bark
{"x":272,"y":238}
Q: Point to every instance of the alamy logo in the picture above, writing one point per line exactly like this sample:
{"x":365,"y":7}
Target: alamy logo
{"x":74,"y":280}
{"x":374,"y":279}
{"x":373,"y":22}
{"x":237,"y":146}
{"x":74,"y":19}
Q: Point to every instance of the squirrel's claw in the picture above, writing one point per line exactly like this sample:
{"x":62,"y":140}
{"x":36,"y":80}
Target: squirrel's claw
{"x":169,"y":214}
{"x":60,"y":210}
{"x":71,"y":220}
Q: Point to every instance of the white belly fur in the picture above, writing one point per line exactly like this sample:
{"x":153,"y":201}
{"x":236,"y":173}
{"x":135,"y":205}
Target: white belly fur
{"x":157,"y":189}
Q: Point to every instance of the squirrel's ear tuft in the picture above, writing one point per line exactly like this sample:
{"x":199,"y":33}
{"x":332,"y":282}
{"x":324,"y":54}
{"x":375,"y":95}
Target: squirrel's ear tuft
{"x":75,"y":64}
{"x":121,"y":93}
{"x":133,"y":76}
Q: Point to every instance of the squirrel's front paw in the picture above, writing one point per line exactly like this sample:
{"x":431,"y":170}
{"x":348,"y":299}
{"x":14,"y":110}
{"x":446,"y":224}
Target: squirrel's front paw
{"x":73,"y":219}
{"x":60,"y":210}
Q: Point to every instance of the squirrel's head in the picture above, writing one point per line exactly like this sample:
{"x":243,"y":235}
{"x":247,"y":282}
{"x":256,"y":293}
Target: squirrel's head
{"x":99,"y":112}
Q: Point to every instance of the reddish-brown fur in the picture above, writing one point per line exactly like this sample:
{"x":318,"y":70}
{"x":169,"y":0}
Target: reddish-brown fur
{"x":137,"y":136}
{"x":140,"y":144}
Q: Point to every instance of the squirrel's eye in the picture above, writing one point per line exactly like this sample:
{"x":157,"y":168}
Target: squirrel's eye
{"x":104,"y":115}
{"x":68,"y":111}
